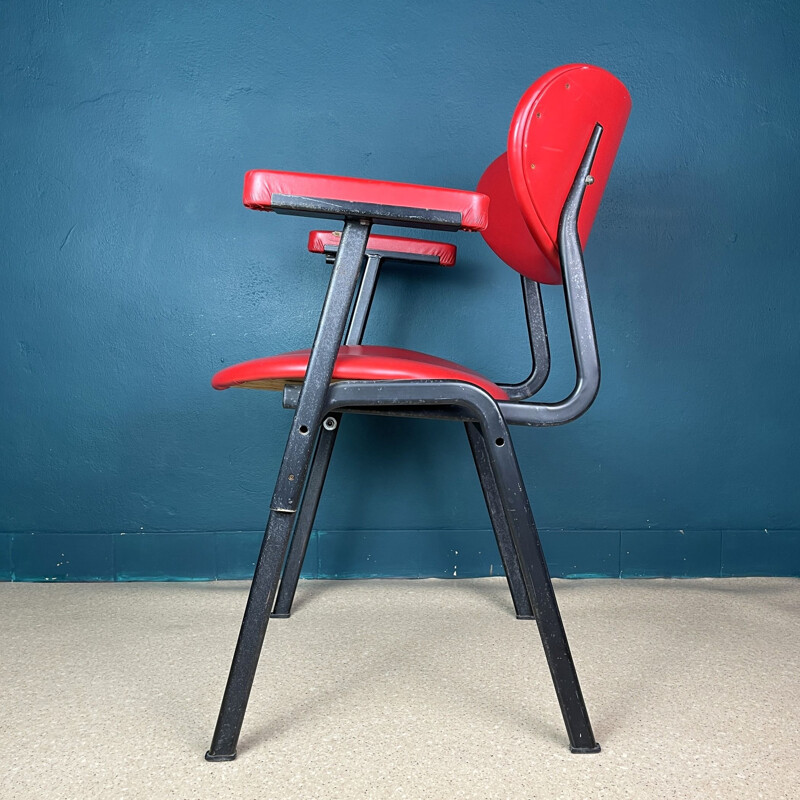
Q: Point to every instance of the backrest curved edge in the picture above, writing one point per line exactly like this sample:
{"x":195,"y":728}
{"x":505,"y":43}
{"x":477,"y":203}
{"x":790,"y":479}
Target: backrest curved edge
{"x":548,"y":136}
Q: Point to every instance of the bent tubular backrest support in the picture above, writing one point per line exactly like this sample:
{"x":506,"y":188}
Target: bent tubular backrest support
{"x":569,"y":121}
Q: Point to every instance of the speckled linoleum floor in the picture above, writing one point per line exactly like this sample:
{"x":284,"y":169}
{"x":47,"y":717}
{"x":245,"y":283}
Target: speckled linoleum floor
{"x":401,"y":689}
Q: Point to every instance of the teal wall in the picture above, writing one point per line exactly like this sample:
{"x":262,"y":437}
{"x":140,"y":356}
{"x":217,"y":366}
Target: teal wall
{"x":130,"y":272}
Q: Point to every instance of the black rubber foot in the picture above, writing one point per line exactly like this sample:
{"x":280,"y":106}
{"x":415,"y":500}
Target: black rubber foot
{"x":275,"y":615}
{"x":595,"y":749}
{"x":211,"y":757}
{"x":529,"y":616}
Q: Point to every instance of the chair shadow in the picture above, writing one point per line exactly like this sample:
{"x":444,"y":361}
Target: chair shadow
{"x":318,"y":706}
{"x":308,"y":591}
{"x":647,"y":670}
{"x":495,"y":592}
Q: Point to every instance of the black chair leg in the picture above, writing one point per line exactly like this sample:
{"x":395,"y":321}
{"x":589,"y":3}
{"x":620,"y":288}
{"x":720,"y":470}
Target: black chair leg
{"x":508,"y":554}
{"x":304,"y":433}
{"x":523,"y":532}
{"x":306,"y":516}
{"x":251,"y":637}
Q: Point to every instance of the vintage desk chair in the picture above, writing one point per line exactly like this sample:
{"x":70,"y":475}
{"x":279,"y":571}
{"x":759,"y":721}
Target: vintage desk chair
{"x":534,"y":206}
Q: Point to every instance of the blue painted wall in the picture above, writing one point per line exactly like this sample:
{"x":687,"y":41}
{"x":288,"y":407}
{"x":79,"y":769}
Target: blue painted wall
{"x":130,"y":273}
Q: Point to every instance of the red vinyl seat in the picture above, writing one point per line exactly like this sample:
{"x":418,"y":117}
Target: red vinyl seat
{"x":354,"y":362}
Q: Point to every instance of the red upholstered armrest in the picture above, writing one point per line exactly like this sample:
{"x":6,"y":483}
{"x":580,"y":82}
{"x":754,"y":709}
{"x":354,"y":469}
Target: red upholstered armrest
{"x":383,"y":202}
{"x":398,"y":247}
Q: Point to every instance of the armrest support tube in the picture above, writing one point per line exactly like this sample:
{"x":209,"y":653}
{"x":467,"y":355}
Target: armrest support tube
{"x":358,"y":319}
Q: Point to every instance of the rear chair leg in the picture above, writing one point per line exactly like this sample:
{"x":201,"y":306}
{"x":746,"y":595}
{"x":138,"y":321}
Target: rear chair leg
{"x":526,"y":541}
{"x":508,"y":554}
{"x":306,"y":516}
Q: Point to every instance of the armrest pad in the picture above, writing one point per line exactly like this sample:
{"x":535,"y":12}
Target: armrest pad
{"x":383,"y":202}
{"x":397,"y":247}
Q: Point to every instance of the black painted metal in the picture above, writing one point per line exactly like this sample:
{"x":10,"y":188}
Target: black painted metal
{"x":363,"y":304}
{"x":494,"y":505}
{"x":327,"y":439}
{"x":251,"y":637}
{"x":346,"y":395}
{"x":540,"y":347}
{"x":332,"y":322}
{"x":291,"y":477}
{"x":324,"y":450}
{"x":431,"y":218}
{"x":319,"y":467}
{"x":310,"y":504}
{"x":305,"y":520}
{"x":445,"y":399}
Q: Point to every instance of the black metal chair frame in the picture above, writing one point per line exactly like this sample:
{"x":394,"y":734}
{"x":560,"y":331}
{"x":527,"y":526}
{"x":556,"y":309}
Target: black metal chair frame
{"x":319,"y":405}
{"x":540,"y":352}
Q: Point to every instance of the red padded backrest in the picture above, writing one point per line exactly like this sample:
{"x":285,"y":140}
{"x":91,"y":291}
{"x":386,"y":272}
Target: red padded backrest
{"x":528,"y":184}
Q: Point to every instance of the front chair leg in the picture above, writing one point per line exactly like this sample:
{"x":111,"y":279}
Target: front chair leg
{"x":508,"y":554}
{"x":251,"y":637}
{"x":306,"y":516}
{"x":288,"y":487}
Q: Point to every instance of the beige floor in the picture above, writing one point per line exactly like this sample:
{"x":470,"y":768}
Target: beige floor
{"x":401,"y":689}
